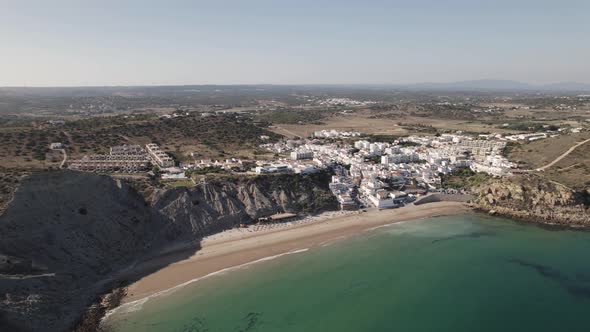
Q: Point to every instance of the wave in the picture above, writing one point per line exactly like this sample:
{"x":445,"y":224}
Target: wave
{"x":138,"y":304}
{"x":388,"y":225}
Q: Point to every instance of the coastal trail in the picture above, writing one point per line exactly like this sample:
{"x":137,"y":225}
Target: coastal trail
{"x":563,"y":155}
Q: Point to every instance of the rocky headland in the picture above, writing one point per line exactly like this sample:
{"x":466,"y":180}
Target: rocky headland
{"x":67,"y":237}
{"x":532,"y":198}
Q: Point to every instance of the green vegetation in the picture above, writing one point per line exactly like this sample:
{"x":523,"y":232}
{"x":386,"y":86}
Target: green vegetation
{"x":383,"y":138}
{"x":206,"y":170}
{"x":417,"y":127}
{"x":463,"y":178}
{"x":10,"y":179}
{"x":220,"y":135}
{"x":530,"y":126}
{"x":408,"y":143}
{"x":294,"y":116}
{"x":178,"y":183}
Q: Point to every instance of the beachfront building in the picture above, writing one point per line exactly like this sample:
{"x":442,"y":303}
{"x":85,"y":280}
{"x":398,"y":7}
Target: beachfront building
{"x":382,"y":200}
{"x":398,"y":197}
{"x":344,"y":189}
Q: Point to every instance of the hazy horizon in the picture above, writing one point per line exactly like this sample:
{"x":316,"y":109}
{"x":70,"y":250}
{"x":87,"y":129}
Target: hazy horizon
{"x":151,"y":43}
{"x":393,"y":85}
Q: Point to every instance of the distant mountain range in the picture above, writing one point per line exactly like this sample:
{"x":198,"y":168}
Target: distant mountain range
{"x":487,"y":85}
{"x":500,"y":85}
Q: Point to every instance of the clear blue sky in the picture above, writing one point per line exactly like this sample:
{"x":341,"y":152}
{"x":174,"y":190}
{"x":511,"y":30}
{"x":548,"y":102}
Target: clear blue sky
{"x":79,"y":42}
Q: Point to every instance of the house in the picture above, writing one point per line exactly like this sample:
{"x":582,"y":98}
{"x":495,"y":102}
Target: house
{"x":382,"y":200}
{"x":399,"y":197}
{"x":55,"y":146}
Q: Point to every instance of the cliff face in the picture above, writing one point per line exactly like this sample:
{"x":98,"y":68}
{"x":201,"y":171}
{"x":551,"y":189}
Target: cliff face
{"x":216,"y":205}
{"x":532,"y":198}
{"x":66,"y":235}
{"x":66,"y":232}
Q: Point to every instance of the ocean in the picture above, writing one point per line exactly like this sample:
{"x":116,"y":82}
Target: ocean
{"x":459,"y":273}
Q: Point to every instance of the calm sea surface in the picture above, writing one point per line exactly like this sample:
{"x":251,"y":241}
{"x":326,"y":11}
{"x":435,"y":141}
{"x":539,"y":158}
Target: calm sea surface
{"x":467,"y":273}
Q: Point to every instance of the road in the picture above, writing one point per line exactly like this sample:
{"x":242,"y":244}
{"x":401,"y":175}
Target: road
{"x":63,"y":162}
{"x":562,"y":156}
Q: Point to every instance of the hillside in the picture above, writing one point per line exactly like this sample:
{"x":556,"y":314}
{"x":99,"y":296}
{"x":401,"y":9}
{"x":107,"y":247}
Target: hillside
{"x":66,"y":236}
{"x":573,"y":170}
{"x":215,"y":136}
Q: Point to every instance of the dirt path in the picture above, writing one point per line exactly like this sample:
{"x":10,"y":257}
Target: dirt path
{"x":570,"y":150}
{"x":63,"y":162}
{"x":283,"y":131}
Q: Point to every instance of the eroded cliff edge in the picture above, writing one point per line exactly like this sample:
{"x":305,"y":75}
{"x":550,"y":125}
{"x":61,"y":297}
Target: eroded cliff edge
{"x":532,"y":198}
{"x":66,"y":236}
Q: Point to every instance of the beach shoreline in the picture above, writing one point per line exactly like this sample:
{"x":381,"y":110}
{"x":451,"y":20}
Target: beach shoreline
{"x":238,"y":247}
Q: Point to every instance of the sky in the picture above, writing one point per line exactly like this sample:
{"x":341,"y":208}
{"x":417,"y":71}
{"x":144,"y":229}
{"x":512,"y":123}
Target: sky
{"x":96,"y":43}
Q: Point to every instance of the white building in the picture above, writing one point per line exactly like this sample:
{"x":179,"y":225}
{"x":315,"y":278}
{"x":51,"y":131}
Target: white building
{"x":158,"y":156}
{"x":127,"y":150}
{"x":299,"y":155}
{"x":382,"y":200}
{"x":55,"y":146}
{"x":275,"y":168}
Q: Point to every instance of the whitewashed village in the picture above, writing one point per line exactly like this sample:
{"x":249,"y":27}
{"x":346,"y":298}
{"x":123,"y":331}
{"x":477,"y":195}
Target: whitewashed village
{"x":365,"y":174}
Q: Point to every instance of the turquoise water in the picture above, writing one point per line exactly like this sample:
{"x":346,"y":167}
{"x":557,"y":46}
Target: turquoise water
{"x":468,"y":273}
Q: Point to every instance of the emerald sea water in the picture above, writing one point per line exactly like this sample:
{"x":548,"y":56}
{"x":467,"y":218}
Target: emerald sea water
{"x":460,"y":273}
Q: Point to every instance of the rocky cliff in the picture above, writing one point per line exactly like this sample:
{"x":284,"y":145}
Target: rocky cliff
{"x":530,"y":197}
{"x":218,"y":204}
{"x":66,"y":236}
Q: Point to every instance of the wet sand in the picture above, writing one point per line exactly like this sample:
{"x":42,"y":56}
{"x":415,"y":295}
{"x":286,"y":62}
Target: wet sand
{"x":240,"y":246}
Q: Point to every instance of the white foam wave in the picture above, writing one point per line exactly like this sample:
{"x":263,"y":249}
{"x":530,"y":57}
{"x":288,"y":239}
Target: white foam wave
{"x":138,"y":304}
{"x":331,"y":241}
{"x":388,"y":225}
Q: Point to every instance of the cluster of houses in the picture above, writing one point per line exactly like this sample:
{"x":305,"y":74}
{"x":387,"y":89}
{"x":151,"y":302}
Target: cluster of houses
{"x":335,"y":134}
{"x":386,"y":175}
{"x":343,"y":187}
{"x":126,"y":158}
{"x":380,"y":174}
{"x":344,"y":102}
{"x":529,"y":137}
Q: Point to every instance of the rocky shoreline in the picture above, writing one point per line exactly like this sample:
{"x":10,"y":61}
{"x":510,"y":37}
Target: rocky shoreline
{"x":91,"y":319}
{"x":533,"y":199}
{"x":65,"y":234}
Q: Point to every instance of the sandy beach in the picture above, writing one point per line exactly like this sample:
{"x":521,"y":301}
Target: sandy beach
{"x":240,"y":246}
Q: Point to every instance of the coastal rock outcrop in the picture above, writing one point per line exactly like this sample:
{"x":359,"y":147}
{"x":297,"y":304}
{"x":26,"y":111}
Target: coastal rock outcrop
{"x":214,"y":205}
{"x":533,"y":198}
{"x":67,"y":236}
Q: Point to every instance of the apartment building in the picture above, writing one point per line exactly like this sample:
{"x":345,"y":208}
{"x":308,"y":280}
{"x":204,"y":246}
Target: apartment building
{"x":158,"y":156}
{"x":110,"y":163}
{"x":303,"y":154}
{"x":127,"y":150}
